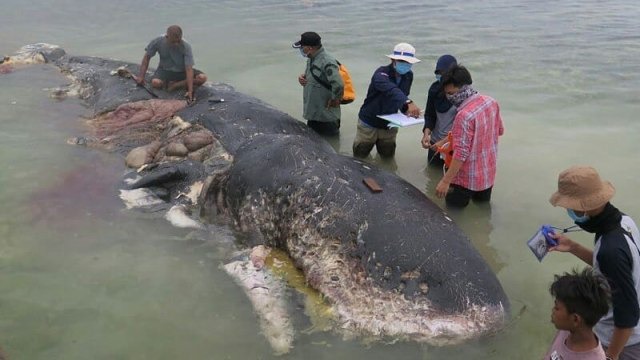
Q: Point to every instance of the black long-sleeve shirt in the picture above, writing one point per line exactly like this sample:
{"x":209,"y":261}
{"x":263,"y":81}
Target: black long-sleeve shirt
{"x":617,"y":257}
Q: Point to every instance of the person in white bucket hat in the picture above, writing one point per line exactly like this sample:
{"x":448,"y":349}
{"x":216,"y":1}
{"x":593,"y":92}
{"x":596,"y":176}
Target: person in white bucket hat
{"x":388,"y":93}
{"x":404,"y":52}
{"x":616,"y":254}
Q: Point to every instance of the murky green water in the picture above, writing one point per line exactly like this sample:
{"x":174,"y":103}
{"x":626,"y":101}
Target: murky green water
{"x":83,"y":278}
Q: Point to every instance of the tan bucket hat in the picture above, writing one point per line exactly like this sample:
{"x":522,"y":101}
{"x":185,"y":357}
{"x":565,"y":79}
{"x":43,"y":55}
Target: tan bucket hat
{"x":580,"y":188}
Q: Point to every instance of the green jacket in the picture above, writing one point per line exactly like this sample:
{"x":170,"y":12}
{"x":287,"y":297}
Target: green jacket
{"x":316,"y":96}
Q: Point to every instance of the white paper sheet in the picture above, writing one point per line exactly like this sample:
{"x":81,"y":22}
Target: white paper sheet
{"x":401,"y":120}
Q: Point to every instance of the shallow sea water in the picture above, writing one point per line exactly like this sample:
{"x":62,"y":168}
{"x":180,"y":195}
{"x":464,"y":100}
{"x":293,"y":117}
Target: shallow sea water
{"x":81,"y":277}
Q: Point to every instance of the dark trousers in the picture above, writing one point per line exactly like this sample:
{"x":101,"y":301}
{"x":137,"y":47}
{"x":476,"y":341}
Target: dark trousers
{"x":459,"y":196}
{"x":325,"y":127}
{"x":629,"y":352}
{"x":433,"y":158}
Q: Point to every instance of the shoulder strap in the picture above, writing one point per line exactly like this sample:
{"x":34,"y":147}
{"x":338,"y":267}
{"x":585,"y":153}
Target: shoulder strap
{"x":630,"y":235}
{"x":320,"y":81}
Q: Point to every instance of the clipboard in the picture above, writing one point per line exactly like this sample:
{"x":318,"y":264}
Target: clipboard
{"x":401,"y":120}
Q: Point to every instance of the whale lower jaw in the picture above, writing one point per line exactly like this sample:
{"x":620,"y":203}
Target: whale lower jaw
{"x":365,"y":310}
{"x":361,"y":308}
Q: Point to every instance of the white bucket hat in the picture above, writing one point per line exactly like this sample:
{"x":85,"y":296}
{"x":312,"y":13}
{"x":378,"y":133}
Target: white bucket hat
{"x":404,"y":52}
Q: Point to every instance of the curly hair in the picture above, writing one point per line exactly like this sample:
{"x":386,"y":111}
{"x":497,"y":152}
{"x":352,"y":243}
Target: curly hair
{"x":585,"y":293}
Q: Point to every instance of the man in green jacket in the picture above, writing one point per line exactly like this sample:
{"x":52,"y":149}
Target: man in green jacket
{"x":323,"y":86}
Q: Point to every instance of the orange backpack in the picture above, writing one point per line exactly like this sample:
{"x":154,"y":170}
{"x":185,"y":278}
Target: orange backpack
{"x":349,"y":93}
{"x":447,"y":150}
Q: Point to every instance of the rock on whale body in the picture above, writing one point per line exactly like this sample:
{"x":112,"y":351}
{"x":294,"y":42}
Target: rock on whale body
{"x":392,"y":264}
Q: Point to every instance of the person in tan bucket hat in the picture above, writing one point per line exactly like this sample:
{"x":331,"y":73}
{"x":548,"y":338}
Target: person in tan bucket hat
{"x":580,"y":188}
{"x":616,"y":254}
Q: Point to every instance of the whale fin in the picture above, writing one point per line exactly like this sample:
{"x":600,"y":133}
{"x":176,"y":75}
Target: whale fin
{"x":266,"y":294}
{"x":159,"y":177}
{"x":185,"y":171}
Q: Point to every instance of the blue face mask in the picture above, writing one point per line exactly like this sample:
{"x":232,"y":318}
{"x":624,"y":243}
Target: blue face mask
{"x":438,"y":77}
{"x":302,"y":52}
{"x":577,"y":219}
{"x":402,"y":67}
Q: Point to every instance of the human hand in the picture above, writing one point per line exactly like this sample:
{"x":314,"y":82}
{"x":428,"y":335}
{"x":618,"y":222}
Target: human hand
{"x":442,"y":189}
{"x":564,"y":243}
{"x":333,"y":103}
{"x":426,"y":139}
{"x":139,"y":79}
{"x":413,"y":110}
{"x":189,"y":96}
{"x":302,"y":80}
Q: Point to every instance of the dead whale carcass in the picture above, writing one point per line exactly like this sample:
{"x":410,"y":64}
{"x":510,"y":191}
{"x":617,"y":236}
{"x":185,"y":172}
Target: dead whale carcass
{"x":391,"y":264}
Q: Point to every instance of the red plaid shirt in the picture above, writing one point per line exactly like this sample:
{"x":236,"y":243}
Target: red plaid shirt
{"x":475,"y":133}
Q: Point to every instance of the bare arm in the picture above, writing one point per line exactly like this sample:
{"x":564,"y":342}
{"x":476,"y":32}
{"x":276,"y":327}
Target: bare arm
{"x":443,"y":186}
{"x":189,"y":70}
{"x":618,"y":341}
{"x":583,"y":254}
{"x":143,"y":68}
{"x":567,"y":245}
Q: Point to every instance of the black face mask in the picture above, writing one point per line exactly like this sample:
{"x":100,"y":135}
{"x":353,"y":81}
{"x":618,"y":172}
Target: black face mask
{"x":609,"y":219}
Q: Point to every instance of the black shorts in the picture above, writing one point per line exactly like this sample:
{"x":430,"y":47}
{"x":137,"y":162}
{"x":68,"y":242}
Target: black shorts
{"x":170,"y":76}
{"x":460,"y":196}
{"x":325,"y":127}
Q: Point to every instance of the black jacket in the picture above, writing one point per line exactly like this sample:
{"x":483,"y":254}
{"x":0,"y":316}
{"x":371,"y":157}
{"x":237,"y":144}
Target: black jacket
{"x":614,"y":257}
{"x":385,"y":96}
{"x":436,"y":101}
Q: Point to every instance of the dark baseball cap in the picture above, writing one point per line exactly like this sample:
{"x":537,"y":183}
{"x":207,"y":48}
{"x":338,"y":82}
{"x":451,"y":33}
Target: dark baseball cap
{"x":444,"y":63}
{"x":309,"y":38}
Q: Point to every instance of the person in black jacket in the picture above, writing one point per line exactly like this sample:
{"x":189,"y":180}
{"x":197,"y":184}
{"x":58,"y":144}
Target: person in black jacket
{"x":439,"y":112}
{"x":616,"y":254}
{"x":388,"y":93}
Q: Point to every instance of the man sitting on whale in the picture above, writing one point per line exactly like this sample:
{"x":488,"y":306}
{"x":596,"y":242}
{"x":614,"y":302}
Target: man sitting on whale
{"x":175,"y":69}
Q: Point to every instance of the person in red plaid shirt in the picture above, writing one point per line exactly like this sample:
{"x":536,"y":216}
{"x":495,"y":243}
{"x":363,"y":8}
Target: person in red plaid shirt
{"x":475,"y":133}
